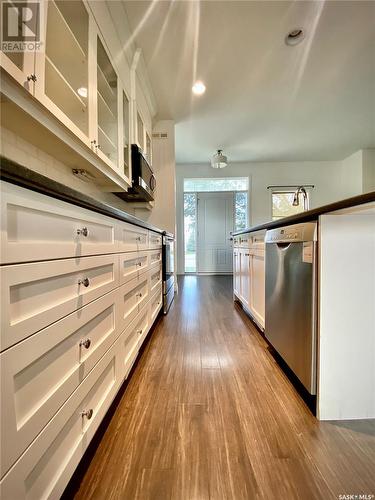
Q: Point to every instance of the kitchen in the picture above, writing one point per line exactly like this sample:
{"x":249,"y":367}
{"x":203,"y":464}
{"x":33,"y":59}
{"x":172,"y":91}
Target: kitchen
{"x":187,"y":249}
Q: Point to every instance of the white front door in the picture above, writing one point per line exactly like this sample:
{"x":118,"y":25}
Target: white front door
{"x":215,"y":222}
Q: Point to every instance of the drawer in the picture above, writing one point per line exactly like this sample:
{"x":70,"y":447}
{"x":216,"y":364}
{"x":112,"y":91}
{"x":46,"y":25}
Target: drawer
{"x":132,"y":338}
{"x":35,"y":295}
{"x":245,"y":240}
{"x":155,"y":258}
{"x":155,"y":279}
{"x":38,"y":227}
{"x":47,"y":465}
{"x":40,"y":373}
{"x":133,"y":295}
{"x":156,"y":303}
{"x":155,"y":240}
{"x":132,"y":238}
{"x":132,"y":264}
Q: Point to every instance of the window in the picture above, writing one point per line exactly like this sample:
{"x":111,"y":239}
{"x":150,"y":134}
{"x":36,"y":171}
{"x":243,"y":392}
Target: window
{"x":240,"y":210}
{"x":216,"y":184}
{"x":190,"y":230}
{"x":282,"y":204}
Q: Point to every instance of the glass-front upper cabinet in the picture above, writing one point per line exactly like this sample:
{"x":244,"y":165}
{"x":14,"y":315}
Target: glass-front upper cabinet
{"x":65,"y":65}
{"x":18,"y":57}
{"x":140,"y":132}
{"x":107,"y":99}
{"x":126,"y":136}
{"x":148,"y":148}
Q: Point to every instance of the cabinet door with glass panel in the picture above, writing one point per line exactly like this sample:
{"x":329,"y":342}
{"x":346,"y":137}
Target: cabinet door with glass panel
{"x":18,"y":56}
{"x":62,"y":70}
{"x":125,"y":149}
{"x":108,"y":99}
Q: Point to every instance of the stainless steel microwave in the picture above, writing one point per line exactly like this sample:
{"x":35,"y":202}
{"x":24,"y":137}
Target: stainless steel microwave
{"x":143,"y":178}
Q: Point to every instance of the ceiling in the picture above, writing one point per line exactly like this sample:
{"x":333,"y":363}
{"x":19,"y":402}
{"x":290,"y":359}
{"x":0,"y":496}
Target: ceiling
{"x":265,"y":101}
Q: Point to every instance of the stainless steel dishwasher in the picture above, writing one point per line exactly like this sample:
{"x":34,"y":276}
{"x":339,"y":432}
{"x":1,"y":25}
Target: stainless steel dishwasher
{"x":291,"y":298}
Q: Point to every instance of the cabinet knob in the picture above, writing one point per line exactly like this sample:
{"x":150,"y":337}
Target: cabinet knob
{"x":32,"y":78}
{"x":85,"y":282}
{"x":138,"y":238}
{"x":139,"y":264}
{"x":87,"y":413}
{"x":83,"y":231}
{"x":139,"y":294}
{"x":85,"y":343}
{"x":140,"y":332}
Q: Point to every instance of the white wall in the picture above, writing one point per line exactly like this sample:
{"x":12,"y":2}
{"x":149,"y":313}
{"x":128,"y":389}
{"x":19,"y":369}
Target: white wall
{"x":368,"y":170}
{"x":333,"y":180}
{"x":163,"y":214}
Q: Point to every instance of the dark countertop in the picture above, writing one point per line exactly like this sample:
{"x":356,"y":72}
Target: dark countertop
{"x":17,"y":174}
{"x":312,"y":214}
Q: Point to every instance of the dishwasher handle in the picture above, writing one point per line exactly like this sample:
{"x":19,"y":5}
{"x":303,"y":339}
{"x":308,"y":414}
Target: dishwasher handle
{"x":284,"y":245}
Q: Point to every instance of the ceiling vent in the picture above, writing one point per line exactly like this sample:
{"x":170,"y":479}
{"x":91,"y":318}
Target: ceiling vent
{"x":160,"y":135}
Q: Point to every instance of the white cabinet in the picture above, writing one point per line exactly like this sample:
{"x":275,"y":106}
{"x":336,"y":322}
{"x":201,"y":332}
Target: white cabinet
{"x":37,"y":294}
{"x":40,"y":373}
{"x":37,"y":227}
{"x":249,"y":274}
{"x":46,"y":466}
{"x":62,"y":68}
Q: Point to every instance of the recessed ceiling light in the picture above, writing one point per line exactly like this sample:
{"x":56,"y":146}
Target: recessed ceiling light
{"x":198,"y":88}
{"x":295,"y":36}
{"x":82,"y":91}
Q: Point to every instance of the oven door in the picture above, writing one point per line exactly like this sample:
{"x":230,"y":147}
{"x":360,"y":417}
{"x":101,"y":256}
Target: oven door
{"x":168,"y":264}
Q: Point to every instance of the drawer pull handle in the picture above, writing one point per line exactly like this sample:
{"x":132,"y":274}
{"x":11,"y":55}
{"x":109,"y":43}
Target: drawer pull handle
{"x":85,"y":282}
{"x":85,"y":343}
{"x":84,"y":231}
{"x":139,"y":264}
{"x":139,"y":294}
{"x":138,"y":238}
{"x":140,"y":332}
{"x":87,"y":413}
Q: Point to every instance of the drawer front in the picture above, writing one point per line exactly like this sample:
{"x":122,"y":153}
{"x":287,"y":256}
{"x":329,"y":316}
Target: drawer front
{"x":155,"y":240}
{"x":155,"y":258}
{"x":156,"y":304}
{"x":40,"y":373}
{"x":132,"y":295}
{"x":245,"y":240}
{"x":35,"y":295}
{"x":132,"y":264}
{"x":155,"y":279}
{"x":132,"y":238}
{"x":47,"y":465}
{"x":37,"y":227}
{"x":130,"y":340}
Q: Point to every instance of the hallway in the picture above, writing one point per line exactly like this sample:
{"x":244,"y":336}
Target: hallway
{"x":208,"y":414}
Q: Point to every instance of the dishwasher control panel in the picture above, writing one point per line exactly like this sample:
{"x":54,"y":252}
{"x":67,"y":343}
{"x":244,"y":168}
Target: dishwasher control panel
{"x":297,"y":232}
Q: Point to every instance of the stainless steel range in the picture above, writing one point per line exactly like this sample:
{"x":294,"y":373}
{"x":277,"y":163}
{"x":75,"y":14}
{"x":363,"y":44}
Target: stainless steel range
{"x":168,"y":271}
{"x":291,"y":298}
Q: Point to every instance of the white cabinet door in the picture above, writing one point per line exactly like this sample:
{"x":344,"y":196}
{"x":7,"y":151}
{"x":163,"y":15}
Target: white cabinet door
{"x":155,"y":258}
{"x":47,"y":465}
{"x":236,"y":272}
{"x":19,"y":65}
{"x":244,"y":276}
{"x":156,"y":304}
{"x":37,"y":294}
{"x":155,"y":240}
{"x":62,"y":67}
{"x":155,"y":279}
{"x":132,"y":238}
{"x":132,"y":264}
{"x":133,"y":295}
{"x":37,"y":227}
{"x":257,"y":284}
{"x":40,"y":373}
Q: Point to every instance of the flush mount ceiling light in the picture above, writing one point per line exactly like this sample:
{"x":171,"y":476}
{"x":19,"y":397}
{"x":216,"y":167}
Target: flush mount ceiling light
{"x":82,"y":91}
{"x":198,"y":88}
{"x":219,"y":160}
{"x":295,"y":36}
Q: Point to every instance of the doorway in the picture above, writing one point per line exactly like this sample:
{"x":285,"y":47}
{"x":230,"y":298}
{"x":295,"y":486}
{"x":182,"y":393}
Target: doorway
{"x":213,"y":208}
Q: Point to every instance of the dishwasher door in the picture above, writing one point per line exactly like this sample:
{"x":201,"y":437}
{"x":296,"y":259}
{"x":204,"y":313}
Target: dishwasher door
{"x":290,"y":320}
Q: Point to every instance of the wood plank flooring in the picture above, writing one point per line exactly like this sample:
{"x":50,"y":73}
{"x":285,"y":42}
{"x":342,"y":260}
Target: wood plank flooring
{"x":208,"y":414}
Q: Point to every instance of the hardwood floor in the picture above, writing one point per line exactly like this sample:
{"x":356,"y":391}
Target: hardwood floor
{"x":208,"y":414}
